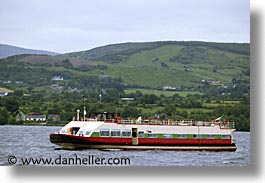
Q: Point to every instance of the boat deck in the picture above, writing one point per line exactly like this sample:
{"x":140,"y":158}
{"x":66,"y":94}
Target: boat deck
{"x":180,"y":122}
{"x":167,"y":122}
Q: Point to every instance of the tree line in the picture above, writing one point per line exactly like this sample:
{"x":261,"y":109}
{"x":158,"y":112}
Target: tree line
{"x":66,"y":103}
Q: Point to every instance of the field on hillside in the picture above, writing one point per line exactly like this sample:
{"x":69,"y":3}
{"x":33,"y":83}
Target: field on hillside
{"x":5,"y":90}
{"x":161,"y":92}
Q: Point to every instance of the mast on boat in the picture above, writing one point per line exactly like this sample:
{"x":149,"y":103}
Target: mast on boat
{"x":84,"y":102}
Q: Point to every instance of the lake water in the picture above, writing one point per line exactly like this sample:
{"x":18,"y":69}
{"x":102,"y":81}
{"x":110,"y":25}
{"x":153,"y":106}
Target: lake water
{"x":24,"y":142}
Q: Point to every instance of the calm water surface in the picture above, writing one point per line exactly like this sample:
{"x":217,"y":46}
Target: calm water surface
{"x":33,"y":142}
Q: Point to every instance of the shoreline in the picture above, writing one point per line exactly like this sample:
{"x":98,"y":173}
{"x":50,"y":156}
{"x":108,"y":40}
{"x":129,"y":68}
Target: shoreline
{"x":37,"y":124}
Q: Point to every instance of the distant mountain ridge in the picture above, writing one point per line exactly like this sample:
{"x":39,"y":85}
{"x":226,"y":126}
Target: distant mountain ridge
{"x":8,"y":50}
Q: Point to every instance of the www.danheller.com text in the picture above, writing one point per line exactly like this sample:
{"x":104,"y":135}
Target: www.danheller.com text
{"x":89,"y":160}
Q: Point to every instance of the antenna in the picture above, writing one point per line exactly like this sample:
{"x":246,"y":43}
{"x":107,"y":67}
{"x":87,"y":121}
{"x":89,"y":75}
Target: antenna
{"x":78,"y":111}
{"x":84,"y":102}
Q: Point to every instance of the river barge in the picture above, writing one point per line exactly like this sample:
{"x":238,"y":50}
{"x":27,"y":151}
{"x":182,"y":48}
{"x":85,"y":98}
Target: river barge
{"x":110,"y":131}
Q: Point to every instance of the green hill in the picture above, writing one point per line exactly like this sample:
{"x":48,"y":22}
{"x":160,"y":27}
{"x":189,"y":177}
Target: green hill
{"x":146,"y":65}
{"x":155,"y":64}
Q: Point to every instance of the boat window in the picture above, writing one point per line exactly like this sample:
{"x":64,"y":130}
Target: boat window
{"x":81,"y":132}
{"x":126,"y":133}
{"x":151,"y":135}
{"x":87,"y":133}
{"x":210,"y":136}
{"x":141,"y":134}
{"x":104,"y":133}
{"x":181,"y":135}
{"x":200,"y":136}
{"x":225,"y":136}
{"x":168,"y":136}
{"x":115,"y":133}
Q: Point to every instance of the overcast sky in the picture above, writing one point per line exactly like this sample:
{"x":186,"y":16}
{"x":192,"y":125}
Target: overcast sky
{"x":74,"y":25}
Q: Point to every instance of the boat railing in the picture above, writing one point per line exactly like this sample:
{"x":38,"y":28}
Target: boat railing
{"x":168,"y":122}
{"x":179,"y":122}
{"x":116,"y":118}
{"x":227,"y":124}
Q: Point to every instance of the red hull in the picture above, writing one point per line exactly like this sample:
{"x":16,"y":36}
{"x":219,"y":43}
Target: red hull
{"x":80,"y":142}
{"x":146,"y":141}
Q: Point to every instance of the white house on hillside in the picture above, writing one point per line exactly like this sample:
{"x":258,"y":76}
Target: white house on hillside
{"x":35,"y":117}
{"x":3,"y":94}
{"x":57,"y":78}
